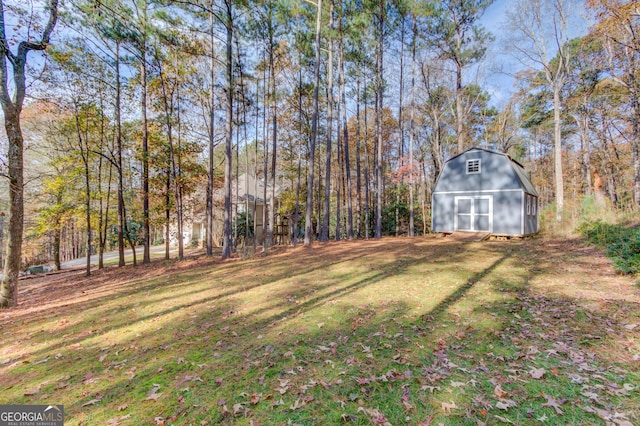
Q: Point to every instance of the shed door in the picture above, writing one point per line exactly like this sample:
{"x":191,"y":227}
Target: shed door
{"x":474,"y":214}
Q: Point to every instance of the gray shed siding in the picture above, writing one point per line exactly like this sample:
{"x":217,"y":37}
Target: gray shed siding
{"x":495,"y":199}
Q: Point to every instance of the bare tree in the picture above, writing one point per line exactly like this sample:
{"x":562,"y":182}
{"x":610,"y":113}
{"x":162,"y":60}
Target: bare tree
{"x":538,"y":35}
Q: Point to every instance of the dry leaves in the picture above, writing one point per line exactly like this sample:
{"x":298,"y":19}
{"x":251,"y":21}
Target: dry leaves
{"x":537,"y":373}
{"x":153,"y":394}
{"x":551,"y":402}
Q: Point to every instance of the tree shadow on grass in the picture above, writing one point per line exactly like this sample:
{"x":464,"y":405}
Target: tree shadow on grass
{"x":311,"y":261}
{"x":244,"y":343}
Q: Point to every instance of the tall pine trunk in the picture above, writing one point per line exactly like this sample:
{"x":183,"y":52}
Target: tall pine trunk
{"x":228,"y":130}
{"x":146,"y":231}
{"x":379,"y":106}
{"x":411,"y":127}
{"x":308,"y":226}
{"x":121,"y":218}
{"x":358,"y":177}
{"x":274,"y":140}
{"x":345,"y":129}
{"x":209,"y":212}
{"x":324,"y":232}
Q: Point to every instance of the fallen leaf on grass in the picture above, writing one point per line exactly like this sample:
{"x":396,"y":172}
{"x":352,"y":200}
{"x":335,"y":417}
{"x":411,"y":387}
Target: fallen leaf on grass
{"x":88,"y":378}
{"x":116,"y":420}
{"x":607,"y":416}
{"x":237,"y":409}
{"x":32,"y":392}
{"x":552,"y":403}
{"x":499,"y":392}
{"x":377,"y":417}
{"x":123,"y":407}
{"x":153,"y":394}
{"x":92,"y":402}
{"x":504,"y":420}
{"x":446,"y":407}
{"x":537,"y":373}
{"x":255,"y":398}
{"x":505,"y":404}
{"x":298,"y":404}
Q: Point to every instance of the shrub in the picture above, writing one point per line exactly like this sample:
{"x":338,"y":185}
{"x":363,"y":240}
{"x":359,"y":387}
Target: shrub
{"x":621,"y":244}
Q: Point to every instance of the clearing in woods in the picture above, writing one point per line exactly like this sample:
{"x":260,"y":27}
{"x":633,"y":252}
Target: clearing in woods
{"x":391,"y":331}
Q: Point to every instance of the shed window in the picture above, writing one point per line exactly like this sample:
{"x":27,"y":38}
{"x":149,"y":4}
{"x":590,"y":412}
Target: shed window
{"x":528,"y":205}
{"x":473,"y":166}
{"x":534,"y":203}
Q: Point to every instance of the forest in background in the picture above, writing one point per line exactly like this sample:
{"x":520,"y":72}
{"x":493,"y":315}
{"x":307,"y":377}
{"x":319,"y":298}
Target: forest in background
{"x":143,"y":110}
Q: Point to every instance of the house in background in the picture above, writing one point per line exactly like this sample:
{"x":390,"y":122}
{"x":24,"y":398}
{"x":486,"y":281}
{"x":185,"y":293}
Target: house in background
{"x":246,"y":191}
{"x":484,"y":191}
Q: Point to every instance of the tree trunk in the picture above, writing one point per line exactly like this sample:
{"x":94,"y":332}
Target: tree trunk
{"x":324,"y":232}
{"x":121,"y":261}
{"x":83,"y":146}
{"x":167,"y":214}
{"x":15,"y":155}
{"x":274,"y":139}
{"x":358,"y":177}
{"x":296,"y":213}
{"x":228,"y":130}
{"x":338,"y":179}
{"x":558,"y":152}
{"x":209,"y":213}
{"x":367,"y":177}
{"x":56,"y":247}
{"x":146,"y":231}
{"x":265,"y":172}
{"x":308,"y":225}
{"x":9,"y":286}
{"x":411,"y":127}
{"x":635,"y":144}
{"x":379,"y":106}
{"x":174,"y":166}
{"x":345,"y":129}
{"x":459,"y":109}
{"x":400,"y":126}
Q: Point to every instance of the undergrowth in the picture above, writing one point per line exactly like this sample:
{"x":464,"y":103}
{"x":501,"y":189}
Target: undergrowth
{"x":620,"y":243}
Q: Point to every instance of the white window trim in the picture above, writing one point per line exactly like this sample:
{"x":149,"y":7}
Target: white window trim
{"x":479,"y":166}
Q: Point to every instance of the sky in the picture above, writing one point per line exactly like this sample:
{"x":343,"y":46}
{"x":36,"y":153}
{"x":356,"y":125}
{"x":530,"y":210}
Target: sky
{"x":496,"y":73}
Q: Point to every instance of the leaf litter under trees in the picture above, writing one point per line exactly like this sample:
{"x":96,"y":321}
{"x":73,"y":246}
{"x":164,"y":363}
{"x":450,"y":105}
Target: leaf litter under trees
{"x":542,"y":335}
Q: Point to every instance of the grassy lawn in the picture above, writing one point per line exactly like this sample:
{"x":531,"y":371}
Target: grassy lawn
{"x":394,"y":331}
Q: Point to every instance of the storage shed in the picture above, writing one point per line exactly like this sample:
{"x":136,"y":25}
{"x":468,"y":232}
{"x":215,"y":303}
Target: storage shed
{"x":481,"y":190}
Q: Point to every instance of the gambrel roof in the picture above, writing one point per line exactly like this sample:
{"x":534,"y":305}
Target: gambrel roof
{"x":507,"y":174}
